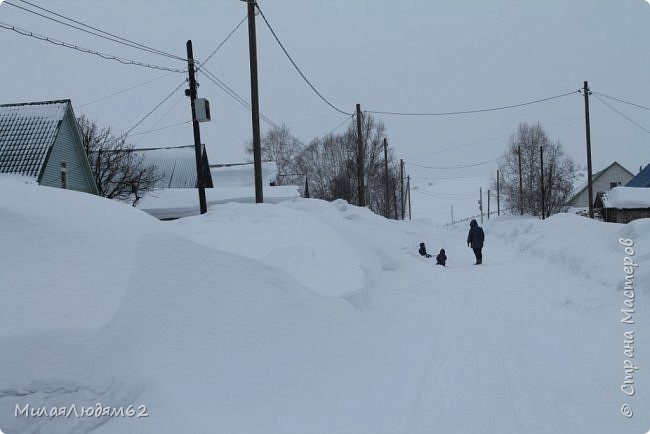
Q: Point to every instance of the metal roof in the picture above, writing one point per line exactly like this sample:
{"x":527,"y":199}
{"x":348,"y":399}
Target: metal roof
{"x":27,"y":133}
{"x":175,"y":166}
{"x":642,"y":179}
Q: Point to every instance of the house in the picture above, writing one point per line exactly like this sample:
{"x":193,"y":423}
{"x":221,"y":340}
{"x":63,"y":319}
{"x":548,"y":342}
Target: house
{"x":642,"y":179}
{"x":232,"y":183}
{"x":242,"y":174}
{"x":612,"y":176}
{"x":624,"y":204}
{"x":41,"y":140}
{"x":176,"y":166}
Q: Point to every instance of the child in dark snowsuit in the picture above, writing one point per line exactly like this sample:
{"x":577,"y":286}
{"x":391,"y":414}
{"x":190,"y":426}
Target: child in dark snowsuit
{"x":423,"y":251}
{"x":441,"y":259}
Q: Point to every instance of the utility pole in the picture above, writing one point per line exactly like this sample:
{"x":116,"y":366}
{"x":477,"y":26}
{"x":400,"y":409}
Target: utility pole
{"x":498,"y":202}
{"x":480,"y":202}
{"x":586,"y":93}
{"x":395,"y":201}
{"x":198,"y":149}
{"x":488,"y":204}
{"x":549,"y":191}
{"x":408,"y":190}
{"x":401,"y":186}
{"x":361,"y":192}
{"x":386,"y":196}
{"x":521,"y":185}
{"x":306,"y":186}
{"x":255,"y":103}
{"x":541,"y":160}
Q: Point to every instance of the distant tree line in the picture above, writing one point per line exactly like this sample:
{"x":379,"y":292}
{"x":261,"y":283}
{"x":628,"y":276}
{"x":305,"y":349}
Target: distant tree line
{"x":328,"y":165}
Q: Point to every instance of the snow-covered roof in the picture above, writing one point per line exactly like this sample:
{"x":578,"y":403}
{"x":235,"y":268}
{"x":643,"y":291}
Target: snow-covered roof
{"x":174,"y":203}
{"x":627,"y":198}
{"x":27,"y":132}
{"x":242,"y":175}
{"x":175,"y":166}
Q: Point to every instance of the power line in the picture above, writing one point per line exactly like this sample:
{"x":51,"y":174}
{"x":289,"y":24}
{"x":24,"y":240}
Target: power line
{"x":110,"y":37}
{"x":349,"y":118}
{"x":123,"y":91}
{"x":455,"y":167}
{"x":180,"y":98}
{"x":464,"y":112}
{"x":155,"y":108}
{"x":226,"y":39}
{"x":223,"y":86}
{"x":106,"y":56}
{"x":623,"y":101}
{"x":428,"y":178}
{"x":161,"y":128}
{"x":231,"y":93}
{"x":491,"y":139}
{"x":460,"y":196}
{"x":622,"y":115}
{"x":296,"y":66}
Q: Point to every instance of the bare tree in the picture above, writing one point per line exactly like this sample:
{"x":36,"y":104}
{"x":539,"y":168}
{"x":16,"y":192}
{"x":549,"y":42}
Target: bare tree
{"x":281,"y":147}
{"x":559,"y":172}
{"x":119,"y":172}
{"x":331,"y":163}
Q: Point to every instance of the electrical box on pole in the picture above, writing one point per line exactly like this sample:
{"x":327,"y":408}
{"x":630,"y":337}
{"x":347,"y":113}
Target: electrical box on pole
{"x":202,"y":107}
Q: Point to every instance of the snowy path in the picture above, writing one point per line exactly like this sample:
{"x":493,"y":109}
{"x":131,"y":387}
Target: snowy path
{"x":505,"y":353}
{"x":312,"y":318}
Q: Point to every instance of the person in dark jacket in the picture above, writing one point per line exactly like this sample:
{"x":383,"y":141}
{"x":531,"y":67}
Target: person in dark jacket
{"x":423,"y":251}
{"x":441,"y":259}
{"x":475,"y":240}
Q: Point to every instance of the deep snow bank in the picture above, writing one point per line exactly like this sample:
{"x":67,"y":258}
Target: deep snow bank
{"x":310,"y":317}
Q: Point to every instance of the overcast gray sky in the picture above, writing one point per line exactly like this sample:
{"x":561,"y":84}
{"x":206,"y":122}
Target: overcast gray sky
{"x":406,"y":56}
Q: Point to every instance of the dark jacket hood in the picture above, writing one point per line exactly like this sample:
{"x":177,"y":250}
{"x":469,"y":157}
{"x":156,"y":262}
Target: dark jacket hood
{"x":473,"y":223}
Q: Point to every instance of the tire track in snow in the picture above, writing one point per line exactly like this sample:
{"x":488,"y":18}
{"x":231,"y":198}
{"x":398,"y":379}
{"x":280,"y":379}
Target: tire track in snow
{"x":466,"y":365}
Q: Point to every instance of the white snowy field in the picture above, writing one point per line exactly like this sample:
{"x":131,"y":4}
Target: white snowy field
{"x":312,"y":317}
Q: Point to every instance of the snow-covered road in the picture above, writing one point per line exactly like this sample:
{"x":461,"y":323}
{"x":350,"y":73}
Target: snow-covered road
{"x":313,"y":318}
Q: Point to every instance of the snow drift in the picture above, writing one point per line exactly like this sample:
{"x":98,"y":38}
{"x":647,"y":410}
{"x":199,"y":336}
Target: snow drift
{"x":312,"y":317}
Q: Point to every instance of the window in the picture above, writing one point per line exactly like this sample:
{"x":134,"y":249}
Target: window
{"x":614,"y":184}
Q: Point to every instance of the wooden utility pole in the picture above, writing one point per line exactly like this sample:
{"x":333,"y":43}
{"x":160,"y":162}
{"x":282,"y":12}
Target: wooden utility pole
{"x":386,"y":196}
{"x":198,"y":149}
{"x":541,"y":162}
{"x":408,"y":190}
{"x":586,"y":93}
{"x":255,"y":103}
{"x":401,"y":186}
{"x":395,"y":201}
{"x":480,"y":202}
{"x":498,"y":191}
{"x":488,"y":204}
{"x":549,"y":190}
{"x":307,"y":186}
{"x":521,"y":184}
{"x":361,"y":190}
